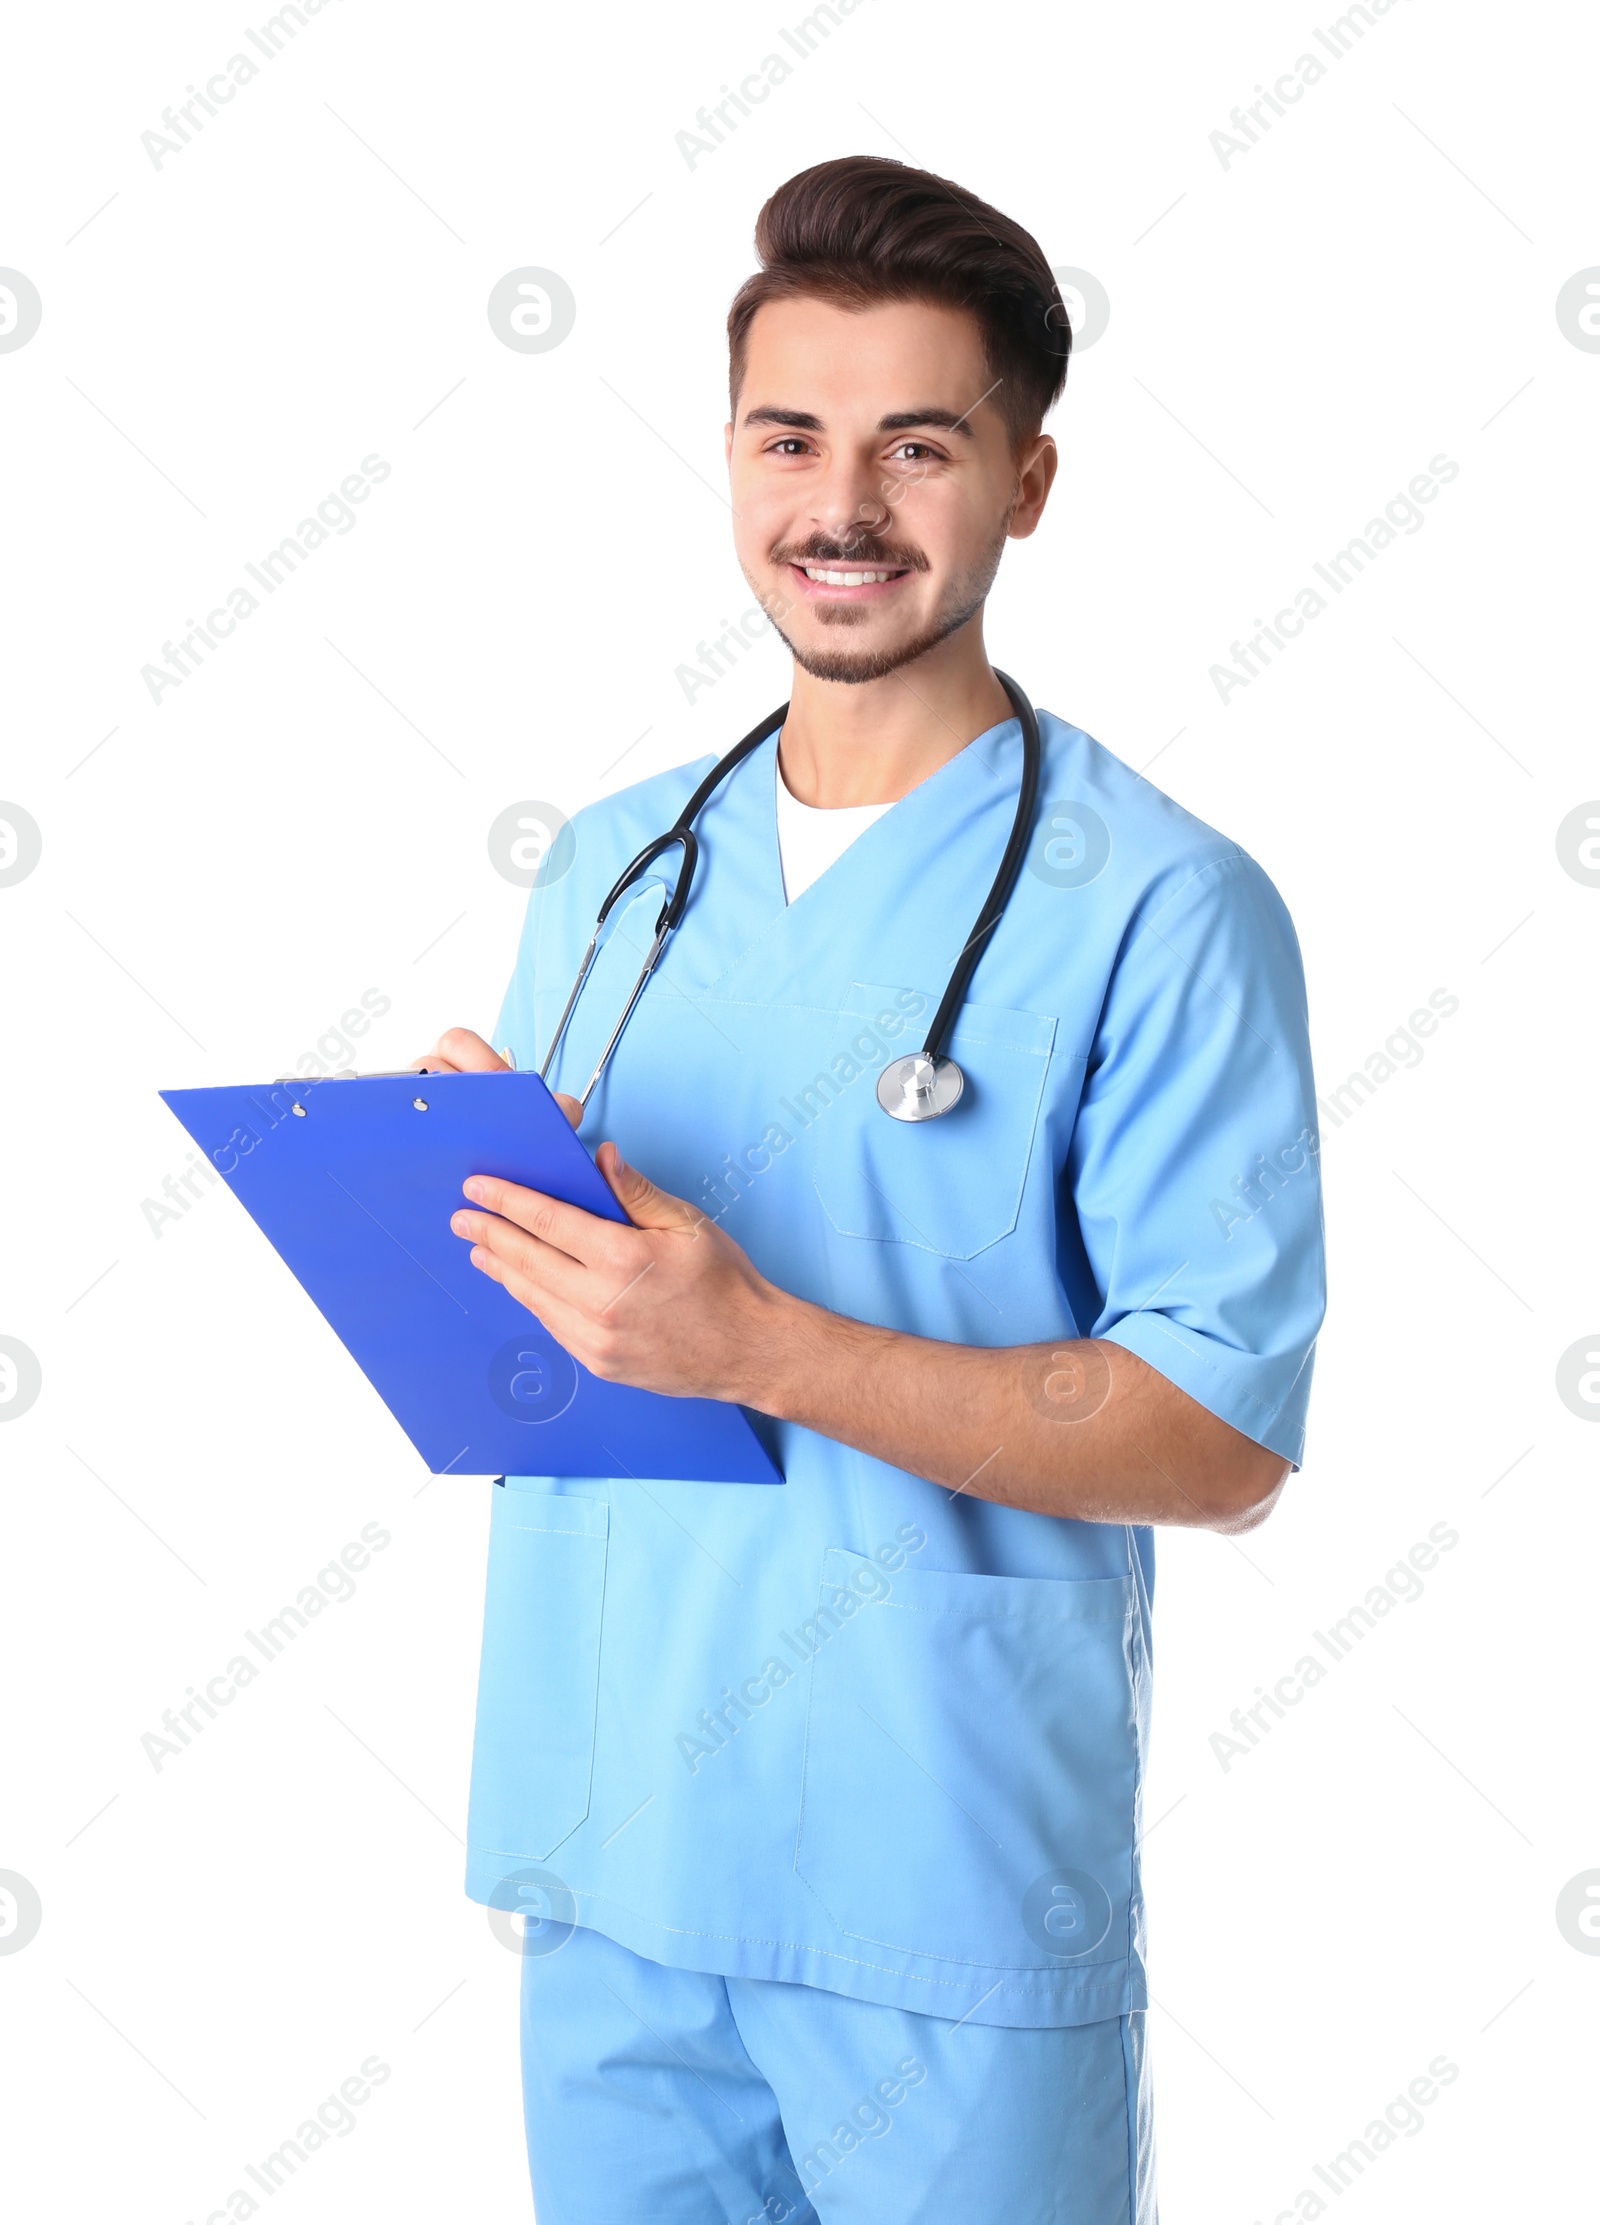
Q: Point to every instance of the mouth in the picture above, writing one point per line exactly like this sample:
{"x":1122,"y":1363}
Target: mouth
{"x":845,"y":582}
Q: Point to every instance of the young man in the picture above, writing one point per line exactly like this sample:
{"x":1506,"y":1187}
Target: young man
{"x":824,"y":1800}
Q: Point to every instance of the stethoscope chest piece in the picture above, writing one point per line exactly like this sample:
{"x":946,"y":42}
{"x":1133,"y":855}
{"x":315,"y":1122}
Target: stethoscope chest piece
{"x":918,"y":1087}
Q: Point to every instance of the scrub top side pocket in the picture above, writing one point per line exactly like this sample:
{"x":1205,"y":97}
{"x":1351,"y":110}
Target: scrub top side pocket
{"x":533,"y":1749}
{"x":950,"y":1186}
{"x":972,"y":1765}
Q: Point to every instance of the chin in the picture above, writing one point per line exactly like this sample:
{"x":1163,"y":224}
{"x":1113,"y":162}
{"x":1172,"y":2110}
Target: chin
{"x":855,"y":665}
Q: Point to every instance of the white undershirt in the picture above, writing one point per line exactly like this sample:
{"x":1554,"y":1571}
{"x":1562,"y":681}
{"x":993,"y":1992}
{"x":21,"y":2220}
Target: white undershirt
{"x":809,"y":840}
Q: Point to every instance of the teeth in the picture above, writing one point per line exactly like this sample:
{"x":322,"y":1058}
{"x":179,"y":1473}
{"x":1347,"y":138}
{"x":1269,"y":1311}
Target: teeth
{"x":845,"y":579}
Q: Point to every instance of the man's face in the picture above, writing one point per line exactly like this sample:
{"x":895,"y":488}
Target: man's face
{"x":873,"y":480}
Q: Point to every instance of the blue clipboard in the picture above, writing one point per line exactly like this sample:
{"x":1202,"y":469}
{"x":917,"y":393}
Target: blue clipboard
{"x":353,"y":1182}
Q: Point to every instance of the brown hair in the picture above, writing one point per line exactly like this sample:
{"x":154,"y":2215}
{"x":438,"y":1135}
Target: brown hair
{"x":864,"y":229}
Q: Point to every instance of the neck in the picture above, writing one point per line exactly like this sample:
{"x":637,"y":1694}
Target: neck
{"x":876,"y":741}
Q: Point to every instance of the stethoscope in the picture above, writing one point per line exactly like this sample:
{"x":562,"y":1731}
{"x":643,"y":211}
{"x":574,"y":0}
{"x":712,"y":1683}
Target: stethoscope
{"x":919,"y":1086}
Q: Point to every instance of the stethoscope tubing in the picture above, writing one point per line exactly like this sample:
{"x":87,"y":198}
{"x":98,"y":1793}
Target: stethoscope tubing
{"x":681,"y":834}
{"x":994,"y":903}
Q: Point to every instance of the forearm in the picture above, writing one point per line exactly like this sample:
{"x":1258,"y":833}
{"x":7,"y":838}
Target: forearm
{"x":670,"y":1303}
{"x":1075,"y":1427}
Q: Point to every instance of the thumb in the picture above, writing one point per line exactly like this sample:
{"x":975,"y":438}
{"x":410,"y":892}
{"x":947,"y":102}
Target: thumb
{"x":644,"y":1204}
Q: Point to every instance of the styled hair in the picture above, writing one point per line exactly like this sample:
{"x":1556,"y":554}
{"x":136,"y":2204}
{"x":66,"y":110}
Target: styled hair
{"x":864,"y":229}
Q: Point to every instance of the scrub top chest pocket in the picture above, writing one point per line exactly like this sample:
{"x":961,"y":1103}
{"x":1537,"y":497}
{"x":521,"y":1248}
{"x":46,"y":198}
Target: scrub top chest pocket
{"x":951,"y":1186}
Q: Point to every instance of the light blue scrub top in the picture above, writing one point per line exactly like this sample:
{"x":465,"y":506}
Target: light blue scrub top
{"x":857,"y":1731}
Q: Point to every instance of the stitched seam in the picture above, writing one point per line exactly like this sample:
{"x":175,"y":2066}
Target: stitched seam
{"x":971,"y":1614}
{"x":1201,"y":1359}
{"x":1233,"y":858}
{"x":1021,"y":1983}
{"x":1130,"y":2106}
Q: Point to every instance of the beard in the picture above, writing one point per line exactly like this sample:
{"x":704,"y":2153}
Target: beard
{"x":963,"y":599}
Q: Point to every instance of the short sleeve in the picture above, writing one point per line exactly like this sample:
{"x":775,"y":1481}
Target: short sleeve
{"x":1193,"y":1168}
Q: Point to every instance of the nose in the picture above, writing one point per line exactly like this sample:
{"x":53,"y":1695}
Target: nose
{"x":850,"y":503}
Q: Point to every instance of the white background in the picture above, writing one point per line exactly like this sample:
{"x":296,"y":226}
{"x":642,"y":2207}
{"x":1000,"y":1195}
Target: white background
{"x":1291,"y":339}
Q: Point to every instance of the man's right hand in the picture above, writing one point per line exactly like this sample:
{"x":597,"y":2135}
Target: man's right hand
{"x":460,"y":1051}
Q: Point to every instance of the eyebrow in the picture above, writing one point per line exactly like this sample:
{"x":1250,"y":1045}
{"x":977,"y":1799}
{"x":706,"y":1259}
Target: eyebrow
{"x":900,"y":421}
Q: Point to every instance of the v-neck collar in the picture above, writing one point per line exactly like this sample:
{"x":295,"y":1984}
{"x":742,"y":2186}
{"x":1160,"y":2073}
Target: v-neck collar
{"x":929,"y":781}
{"x":741,"y":824}
{"x":807,"y":832}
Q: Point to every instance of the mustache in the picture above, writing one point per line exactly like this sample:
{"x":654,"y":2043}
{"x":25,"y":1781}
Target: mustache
{"x":865,"y":550}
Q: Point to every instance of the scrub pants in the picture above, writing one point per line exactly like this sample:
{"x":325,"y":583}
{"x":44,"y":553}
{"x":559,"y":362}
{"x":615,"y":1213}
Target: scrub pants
{"x":680,"y":2098}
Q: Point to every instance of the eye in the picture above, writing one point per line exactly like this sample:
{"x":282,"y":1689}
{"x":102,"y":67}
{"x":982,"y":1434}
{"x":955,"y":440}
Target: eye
{"x":912,"y":451}
{"x":791,"y":444}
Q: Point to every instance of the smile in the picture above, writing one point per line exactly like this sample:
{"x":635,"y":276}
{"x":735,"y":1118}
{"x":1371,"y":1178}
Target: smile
{"x":846,"y":579}
{"x":846,"y":582}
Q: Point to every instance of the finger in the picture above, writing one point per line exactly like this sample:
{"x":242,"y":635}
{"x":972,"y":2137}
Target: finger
{"x":644,"y":1204}
{"x":461,"y":1051}
{"x":569,"y":1105}
{"x":581,"y":1236}
{"x":535,"y":1272}
{"x":573,"y":1328}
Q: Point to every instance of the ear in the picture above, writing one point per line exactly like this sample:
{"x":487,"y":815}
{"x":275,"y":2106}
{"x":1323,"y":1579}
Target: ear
{"x":1036,"y":471}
